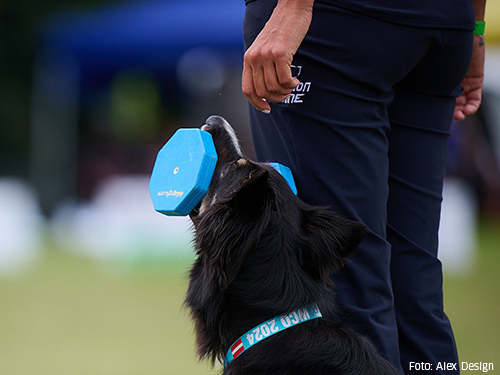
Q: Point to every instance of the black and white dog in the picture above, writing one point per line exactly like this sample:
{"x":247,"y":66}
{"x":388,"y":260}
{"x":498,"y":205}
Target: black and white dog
{"x":261,"y":280}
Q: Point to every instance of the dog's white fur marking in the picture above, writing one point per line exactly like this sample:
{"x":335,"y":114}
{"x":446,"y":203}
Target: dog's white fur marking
{"x":203,"y":207}
{"x":230,"y":131}
{"x":234,"y":139}
{"x":241,"y":162}
{"x":214,"y":199}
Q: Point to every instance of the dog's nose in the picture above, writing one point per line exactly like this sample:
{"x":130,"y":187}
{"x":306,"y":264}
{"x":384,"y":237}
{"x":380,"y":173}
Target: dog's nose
{"x":215,"y":120}
{"x":211,"y":122}
{"x":224,"y":137}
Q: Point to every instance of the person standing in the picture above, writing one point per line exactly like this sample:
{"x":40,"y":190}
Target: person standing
{"x":357,"y":98}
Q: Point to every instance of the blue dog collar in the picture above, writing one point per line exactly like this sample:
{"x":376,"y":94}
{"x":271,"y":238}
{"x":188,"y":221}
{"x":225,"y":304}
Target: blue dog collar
{"x":269,"y":328}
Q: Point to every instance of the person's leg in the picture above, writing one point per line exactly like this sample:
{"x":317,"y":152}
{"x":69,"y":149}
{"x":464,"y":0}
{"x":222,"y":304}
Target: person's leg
{"x":420,"y":117}
{"x":332,"y":133}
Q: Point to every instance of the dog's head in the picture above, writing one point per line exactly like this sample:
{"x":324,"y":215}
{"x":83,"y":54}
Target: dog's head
{"x":250,"y":208}
{"x":233,"y":171}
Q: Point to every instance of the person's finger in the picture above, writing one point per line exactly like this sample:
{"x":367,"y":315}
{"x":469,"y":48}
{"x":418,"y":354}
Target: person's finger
{"x":459,"y":105}
{"x":275,"y":91}
{"x":473,"y":101}
{"x":271,"y":79}
{"x":284,"y":74}
{"x":471,"y":107}
{"x":270,"y":88}
{"x":467,"y":104}
{"x":279,"y":82}
{"x":248,"y":88}
{"x":458,"y":115}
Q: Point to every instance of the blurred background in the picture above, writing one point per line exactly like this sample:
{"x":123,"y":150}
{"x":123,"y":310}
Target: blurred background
{"x":92,"y":280}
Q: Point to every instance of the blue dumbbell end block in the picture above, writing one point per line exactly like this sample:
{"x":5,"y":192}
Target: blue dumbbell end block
{"x":182,"y":172}
{"x":287,"y":175}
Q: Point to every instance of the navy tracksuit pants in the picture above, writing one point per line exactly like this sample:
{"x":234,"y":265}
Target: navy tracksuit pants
{"x":366,"y":133}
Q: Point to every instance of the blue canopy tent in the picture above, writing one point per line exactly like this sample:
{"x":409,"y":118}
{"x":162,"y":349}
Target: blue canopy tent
{"x":81,"y":52}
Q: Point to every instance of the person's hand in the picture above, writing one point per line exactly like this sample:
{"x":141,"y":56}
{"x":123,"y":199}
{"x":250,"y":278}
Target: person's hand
{"x":470,"y":100}
{"x":266,"y":69}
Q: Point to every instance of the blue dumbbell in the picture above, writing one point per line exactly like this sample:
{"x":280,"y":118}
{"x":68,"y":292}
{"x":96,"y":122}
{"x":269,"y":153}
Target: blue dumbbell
{"x":183,"y":171}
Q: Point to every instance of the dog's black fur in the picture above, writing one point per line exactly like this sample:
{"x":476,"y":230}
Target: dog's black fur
{"x":263,"y":252}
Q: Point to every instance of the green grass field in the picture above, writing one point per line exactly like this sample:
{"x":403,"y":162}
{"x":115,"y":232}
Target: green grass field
{"x":72,"y":316}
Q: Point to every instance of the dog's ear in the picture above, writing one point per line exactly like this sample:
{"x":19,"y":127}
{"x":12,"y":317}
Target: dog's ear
{"x":253,"y":193}
{"x":330,"y":239}
{"x":233,"y":228}
{"x":245,"y":224}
